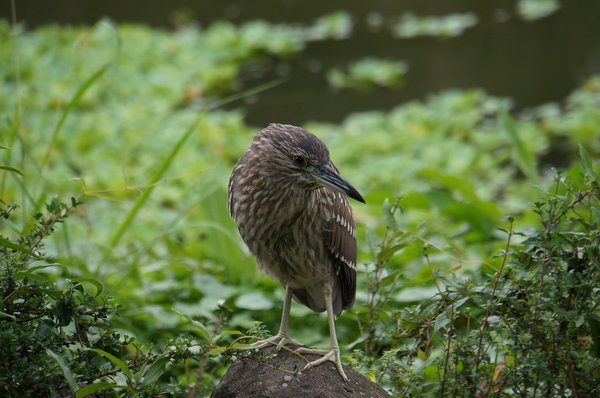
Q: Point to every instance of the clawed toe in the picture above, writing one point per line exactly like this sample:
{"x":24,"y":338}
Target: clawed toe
{"x":279,"y":340}
{"x":332,"y":355}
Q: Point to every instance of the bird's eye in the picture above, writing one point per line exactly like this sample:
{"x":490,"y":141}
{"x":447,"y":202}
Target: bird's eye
{"x":299,"y":160}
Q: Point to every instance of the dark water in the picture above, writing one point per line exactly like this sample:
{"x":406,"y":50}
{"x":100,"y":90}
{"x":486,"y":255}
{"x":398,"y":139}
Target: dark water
{"x":531,"y":62}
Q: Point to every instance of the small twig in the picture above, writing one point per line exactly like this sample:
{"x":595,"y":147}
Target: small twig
{"x":488,"y":309}
{"x":433,"y":275}
{"x":447,"y":356}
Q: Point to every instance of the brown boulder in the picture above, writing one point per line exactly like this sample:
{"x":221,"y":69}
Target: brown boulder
{"x":271,"y":373}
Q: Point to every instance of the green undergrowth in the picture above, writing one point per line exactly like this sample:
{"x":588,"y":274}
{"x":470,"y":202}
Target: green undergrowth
{"x":530,"y":326}
{"x":149,"y":269}
{"x":57,"y":337}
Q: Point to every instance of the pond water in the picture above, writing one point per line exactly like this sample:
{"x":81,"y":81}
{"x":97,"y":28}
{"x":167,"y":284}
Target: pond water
{"x":533,"y":62}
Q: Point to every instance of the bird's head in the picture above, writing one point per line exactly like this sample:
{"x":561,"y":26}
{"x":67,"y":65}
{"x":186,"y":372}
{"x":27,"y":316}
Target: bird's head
{"x":296,"y":157}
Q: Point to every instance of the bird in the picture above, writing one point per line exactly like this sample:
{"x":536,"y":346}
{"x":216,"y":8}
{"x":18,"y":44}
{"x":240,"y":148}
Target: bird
{"x":291,"y":207}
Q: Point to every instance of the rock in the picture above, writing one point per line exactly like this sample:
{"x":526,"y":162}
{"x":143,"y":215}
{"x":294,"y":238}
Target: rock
{"x":271,"y":373}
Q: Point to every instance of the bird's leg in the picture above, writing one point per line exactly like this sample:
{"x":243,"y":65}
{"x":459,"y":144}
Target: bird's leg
{"x":333,"y":354}
{"x":281,"y":338}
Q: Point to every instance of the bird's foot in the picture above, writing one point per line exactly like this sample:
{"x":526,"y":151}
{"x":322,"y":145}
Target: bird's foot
{"x":332,"y":355}
{"x":279,"y":340}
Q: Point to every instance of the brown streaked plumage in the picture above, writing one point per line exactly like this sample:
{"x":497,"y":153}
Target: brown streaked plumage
{"x":291,"y":207}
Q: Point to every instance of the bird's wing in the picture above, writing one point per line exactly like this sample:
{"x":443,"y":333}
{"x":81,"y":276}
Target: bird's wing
{"x":340,"y":238}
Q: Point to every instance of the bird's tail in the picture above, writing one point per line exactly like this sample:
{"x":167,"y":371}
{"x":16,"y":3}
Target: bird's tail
{"x":314,"y":298}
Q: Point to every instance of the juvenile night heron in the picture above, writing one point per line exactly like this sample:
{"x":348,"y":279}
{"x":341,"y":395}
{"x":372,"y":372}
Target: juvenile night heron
{"x":291,"y":207}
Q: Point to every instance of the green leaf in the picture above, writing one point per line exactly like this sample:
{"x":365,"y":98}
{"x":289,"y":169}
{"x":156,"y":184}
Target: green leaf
{"x":64,"y":369}
{"x":116,"y":361}
{"x":31,"y":272}
{"x":6,"y":243}
{"x":390,"y":279}
{"x":525,"y":158}
{"x":217,"y":350}
{"x":92,"y":388}
{"x":38,"y":278}
{"x":225,"y":334}
{"x":586,"y":162}
{"x":241,"y":346}
{"x":441,"y":321}
{"x":63,"y":312}
{"x":44,"y":328}
{"x":96,"y":283}
{"x":152,"y":372}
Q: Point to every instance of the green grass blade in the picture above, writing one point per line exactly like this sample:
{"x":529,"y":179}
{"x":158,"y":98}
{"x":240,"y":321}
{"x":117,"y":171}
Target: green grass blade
{"x":139,"y":202}
{"x":17,"y":95}
{"x":70,"y":106}
{"x":11,"y":140}
{"x":12,"y":169}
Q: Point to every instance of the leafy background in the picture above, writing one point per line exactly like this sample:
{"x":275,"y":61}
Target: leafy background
{"x":143,"y":125}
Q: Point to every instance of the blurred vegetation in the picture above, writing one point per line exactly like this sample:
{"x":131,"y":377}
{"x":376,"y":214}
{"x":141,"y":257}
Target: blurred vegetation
{"x":367,"y":73}
{"x":409,"y":25}
{"x":147,"y":288}
{"x":536,"y":9}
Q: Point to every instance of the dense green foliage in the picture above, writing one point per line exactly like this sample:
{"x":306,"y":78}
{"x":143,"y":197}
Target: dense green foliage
{"x":447,"y":303}
{"x":531,"y":328}
{"x":56,"y":336}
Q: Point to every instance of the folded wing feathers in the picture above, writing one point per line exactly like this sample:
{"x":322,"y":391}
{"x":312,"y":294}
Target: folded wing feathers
{"x":341,"y":240}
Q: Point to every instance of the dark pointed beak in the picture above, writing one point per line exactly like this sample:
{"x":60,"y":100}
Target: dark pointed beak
{"x":330,"y":178}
